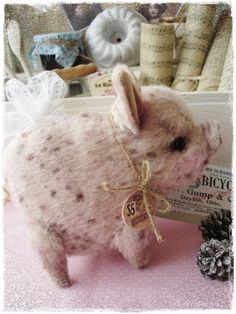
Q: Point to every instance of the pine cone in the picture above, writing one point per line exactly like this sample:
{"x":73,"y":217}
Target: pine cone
{"x":215,"y":259}
{"x":218,"y":225}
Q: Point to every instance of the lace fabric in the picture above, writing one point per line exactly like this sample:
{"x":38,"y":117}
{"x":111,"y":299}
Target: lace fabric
{"x":41,"y":97}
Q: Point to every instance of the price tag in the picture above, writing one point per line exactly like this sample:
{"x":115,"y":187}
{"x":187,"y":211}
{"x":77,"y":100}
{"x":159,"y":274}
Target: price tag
{"x":134,"y":213}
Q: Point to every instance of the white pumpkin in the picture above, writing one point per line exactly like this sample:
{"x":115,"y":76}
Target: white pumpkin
{"x":114,"y":37}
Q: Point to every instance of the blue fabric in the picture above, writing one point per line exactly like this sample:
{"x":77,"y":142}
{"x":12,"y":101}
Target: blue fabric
{"x":64,"y":54}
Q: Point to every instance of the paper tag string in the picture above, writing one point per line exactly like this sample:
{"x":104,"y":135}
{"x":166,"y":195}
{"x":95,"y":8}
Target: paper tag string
{"x":143,"y":178}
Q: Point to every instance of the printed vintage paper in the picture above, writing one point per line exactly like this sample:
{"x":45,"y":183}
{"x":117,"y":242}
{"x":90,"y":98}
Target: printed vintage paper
{"x":198,"y":30}
{"x":156,"y":53}
{"x":212,"y":191}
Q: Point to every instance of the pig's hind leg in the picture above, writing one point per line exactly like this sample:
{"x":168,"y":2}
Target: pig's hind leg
{"x":50,"y":249}
{"x":134,"y":246}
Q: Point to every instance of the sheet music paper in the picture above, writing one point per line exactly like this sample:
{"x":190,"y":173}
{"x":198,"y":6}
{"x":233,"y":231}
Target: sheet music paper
{"x":198,"y":30}
{"x":156,"y":53}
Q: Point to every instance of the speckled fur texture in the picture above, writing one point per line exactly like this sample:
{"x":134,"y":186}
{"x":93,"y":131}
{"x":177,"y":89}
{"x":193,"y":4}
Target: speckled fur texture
{"x":55,"y":172}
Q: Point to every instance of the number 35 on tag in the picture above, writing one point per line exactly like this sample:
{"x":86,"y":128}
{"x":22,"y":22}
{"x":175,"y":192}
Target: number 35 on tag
{"x":134,"y":212}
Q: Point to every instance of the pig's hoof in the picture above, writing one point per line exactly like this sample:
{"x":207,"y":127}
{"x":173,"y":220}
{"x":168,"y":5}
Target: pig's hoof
{"x":142,"y":261}
{"x":142,"y":264}
{"x":64,"y":282}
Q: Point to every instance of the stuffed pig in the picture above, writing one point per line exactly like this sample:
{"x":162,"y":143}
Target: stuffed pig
{"x":55,"y":171}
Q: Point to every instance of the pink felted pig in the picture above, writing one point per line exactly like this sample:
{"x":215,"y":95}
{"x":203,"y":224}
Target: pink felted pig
{"x":55,"y":172}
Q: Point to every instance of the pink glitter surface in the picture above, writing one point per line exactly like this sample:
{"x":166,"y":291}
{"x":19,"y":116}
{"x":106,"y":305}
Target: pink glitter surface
{"x":172,"y":281}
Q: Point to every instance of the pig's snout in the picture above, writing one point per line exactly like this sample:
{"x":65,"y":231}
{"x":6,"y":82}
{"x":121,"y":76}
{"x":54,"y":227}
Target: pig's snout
{"x":211,"y":130}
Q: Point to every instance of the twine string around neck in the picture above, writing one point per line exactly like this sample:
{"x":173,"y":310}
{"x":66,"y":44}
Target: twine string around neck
{"x":143,"y":178}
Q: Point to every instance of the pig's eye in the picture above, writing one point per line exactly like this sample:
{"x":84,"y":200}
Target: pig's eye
{"x":178,"y":144}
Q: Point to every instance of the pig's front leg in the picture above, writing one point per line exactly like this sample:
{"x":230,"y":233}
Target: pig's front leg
{"x":135,"y":245}
{"x":50,"y":249}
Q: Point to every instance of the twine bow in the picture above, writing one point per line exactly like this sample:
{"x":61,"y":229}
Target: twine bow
{"x":143,"y":178}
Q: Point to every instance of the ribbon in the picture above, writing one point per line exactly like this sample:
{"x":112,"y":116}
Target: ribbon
{"x":143,"y":178}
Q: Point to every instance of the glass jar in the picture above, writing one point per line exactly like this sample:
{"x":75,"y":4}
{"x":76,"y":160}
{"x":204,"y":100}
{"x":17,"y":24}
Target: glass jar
{"x":57,"y":50}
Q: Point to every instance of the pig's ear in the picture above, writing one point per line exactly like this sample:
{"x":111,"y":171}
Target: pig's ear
{"x":128,"y":104}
